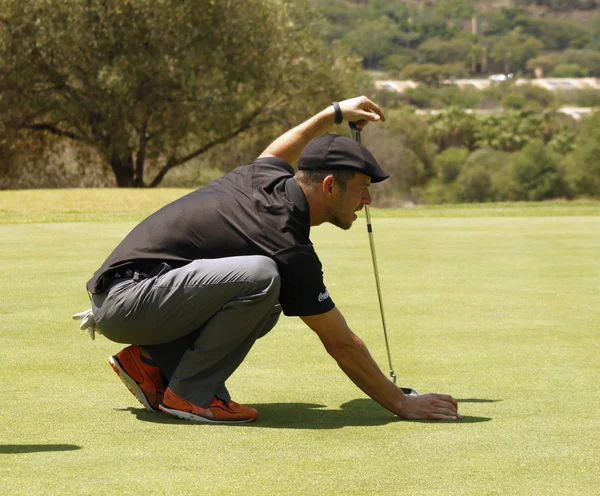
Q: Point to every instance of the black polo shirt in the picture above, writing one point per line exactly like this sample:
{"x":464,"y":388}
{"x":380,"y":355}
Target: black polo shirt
{"x":257,"y":209}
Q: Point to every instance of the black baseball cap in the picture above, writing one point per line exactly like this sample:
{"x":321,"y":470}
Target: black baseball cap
{"x":332,"y":151}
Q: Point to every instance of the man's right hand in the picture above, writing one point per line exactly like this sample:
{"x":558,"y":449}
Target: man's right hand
{"x":361,"y":110}
{"x":430,"y":407}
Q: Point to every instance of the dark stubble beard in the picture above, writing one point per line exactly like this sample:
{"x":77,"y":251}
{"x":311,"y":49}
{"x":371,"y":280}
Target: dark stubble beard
{"x":336,"y":218}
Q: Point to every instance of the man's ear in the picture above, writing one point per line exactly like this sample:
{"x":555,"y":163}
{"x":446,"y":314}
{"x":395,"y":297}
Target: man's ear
{"x":327,"y":185}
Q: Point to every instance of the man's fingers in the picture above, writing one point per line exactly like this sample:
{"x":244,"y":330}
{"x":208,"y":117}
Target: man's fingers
{"x":432,"y":407}
{"x":376,"y":111}
{"x":447,"y":398}
{"x":361,"y":110}
{"x":439,"y":416}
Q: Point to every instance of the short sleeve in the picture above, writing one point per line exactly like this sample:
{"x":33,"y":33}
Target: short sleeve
{"x":303,"y":291}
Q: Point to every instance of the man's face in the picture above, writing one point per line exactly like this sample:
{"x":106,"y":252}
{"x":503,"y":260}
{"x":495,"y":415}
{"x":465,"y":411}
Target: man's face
{"x":347,"y":201}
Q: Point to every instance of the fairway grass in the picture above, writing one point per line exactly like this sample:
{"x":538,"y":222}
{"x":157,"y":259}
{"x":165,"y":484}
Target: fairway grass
{"x":500,"y":310}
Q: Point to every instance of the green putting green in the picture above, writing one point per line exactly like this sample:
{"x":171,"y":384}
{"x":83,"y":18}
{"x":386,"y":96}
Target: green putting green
{"x":501,"y":310}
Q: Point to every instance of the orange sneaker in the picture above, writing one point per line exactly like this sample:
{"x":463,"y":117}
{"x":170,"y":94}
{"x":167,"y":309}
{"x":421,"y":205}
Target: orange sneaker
{"x":217,"y":412}
{"x":143,"y":380}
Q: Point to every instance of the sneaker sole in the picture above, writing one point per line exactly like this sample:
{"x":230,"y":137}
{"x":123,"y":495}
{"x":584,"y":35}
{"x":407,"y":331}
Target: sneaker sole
{"x":130,"y":383}
{"x":197,"y":418}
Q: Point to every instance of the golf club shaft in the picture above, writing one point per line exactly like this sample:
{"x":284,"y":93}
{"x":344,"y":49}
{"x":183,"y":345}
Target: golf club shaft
{"x":377,"y":283}
{"x":356,"y":137}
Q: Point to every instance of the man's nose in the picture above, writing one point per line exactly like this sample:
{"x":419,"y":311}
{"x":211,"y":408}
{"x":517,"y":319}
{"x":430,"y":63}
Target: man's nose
{"x":366,"y":198}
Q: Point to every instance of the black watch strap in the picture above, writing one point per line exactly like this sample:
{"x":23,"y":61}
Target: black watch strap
{"x":338,"y":113}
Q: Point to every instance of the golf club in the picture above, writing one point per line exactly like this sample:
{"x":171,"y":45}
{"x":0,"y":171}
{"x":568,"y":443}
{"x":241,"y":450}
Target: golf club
{"x":355,"y":132}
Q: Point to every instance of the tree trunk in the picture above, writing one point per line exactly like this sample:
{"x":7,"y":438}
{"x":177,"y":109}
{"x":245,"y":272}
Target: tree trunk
{"x":484,"y":60}
{"x":123,"y":170}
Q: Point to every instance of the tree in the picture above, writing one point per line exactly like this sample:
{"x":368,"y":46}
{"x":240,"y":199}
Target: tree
{"x":555,"y":34}
{"x":454,"y":9}
{"x":569,"y":71}
{"x":432,"y":74}
{"x":152,"y":84}
{"x":509,"y":131}
{"x":588,"y":60}
{"x":372,"y":40}
{"x":453,"y":127}
{"x":442,"y":52}
{"x":546,"y":62}
{"x":514,"y":49}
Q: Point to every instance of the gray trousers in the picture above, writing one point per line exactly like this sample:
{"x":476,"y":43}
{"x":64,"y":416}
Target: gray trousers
{"x":197,"y":322}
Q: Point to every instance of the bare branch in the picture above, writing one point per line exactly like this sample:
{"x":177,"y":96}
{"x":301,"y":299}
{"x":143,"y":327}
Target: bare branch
{"x":174,"y":162}
{"x":52,"y":129}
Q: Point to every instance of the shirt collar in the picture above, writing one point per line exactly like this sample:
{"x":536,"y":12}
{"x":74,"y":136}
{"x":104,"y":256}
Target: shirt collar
{"x":294,"y":192}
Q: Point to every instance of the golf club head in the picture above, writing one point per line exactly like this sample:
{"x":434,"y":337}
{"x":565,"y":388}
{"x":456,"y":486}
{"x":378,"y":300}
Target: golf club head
{"x":409,"y":391}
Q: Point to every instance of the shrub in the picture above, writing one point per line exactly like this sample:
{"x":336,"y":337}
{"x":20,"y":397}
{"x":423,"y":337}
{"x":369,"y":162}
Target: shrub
{"x":445,"y":96}
{"x":496,"y":163}
{"x":514,"y":101}
{"x":569,"y":71}
{"x":534,"y":93}
{"x":475,"y":185}
{"x":422,"y":97}
{"x":536,"y":172}
{"x":448,"y":163}
{"x":453,"y":127}
{"x":585,"y":97}
{"x":435,"y":193}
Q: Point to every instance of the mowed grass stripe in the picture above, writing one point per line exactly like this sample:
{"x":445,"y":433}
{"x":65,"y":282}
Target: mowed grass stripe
{"x":500,"y":312}
{"x":121,"y":204}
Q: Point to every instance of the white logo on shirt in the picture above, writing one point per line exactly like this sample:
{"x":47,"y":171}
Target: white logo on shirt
{"x":323,"y":296}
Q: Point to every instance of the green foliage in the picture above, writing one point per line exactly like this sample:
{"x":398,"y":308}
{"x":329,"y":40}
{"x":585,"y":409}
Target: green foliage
{"x":372,"y":40}
{"x":436,"y":192}
{"x":453,"y":127}
{"x":514,"y":101}
{"x":513,"y":50}
{"x":569,"y":71}
{"x":527,"y":96}
{"x":435,"y":32}
{"x":561,"y":5}
{"x":588,"y":60}
{"x":136,"y":80}
{"x":442,"y":52}
{"x":583,"y":164}
{"x":556,"y":34}
{"x":441,"y":97}
{"x":509,"y":131}
{"x":395,"y":62}
{"x":547,"y":62}
{"x":535,"y":171}
{"x":404,"y":150}
{"x":475,"y":185}
{"x":432,"y":74}
{"x":585,"y":97}
{"x":448,"y":163}
{"x":499,"y":21}
{"x":485,"y":177}
{"x":516,"y":156}
{"x":454,"y":9}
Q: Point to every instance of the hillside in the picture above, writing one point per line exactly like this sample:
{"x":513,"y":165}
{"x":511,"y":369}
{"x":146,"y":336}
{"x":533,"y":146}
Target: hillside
{"x":435,"y":40}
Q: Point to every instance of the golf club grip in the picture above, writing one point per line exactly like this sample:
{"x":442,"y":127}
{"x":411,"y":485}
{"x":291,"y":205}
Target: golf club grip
{"x":354,"y":131}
